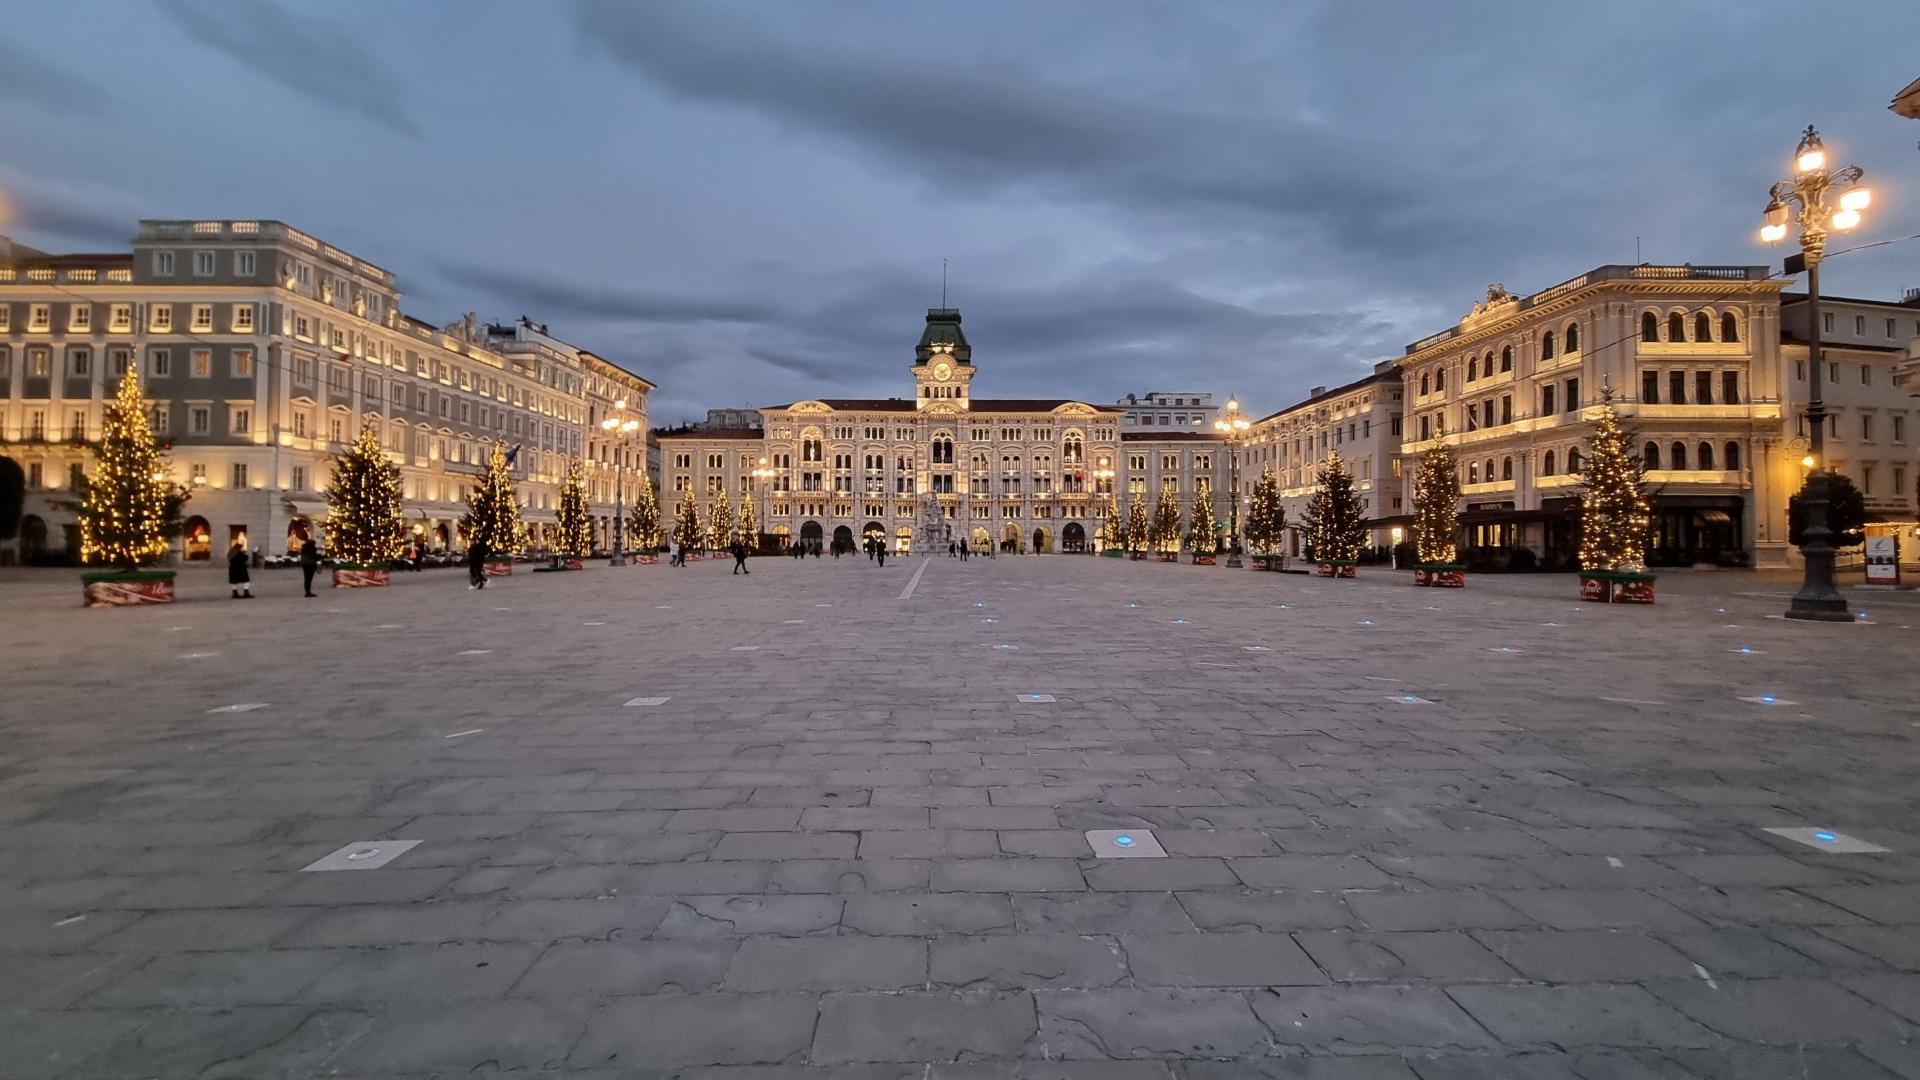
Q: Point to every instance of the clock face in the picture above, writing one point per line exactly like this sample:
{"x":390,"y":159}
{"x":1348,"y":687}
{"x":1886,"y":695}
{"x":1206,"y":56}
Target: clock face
{"x":943,"y":371}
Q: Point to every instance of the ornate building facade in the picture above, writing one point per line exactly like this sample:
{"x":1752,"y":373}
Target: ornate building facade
{"x":263,"y":351}
{"x":1361,"y":422}
{"x":1024,"y":475}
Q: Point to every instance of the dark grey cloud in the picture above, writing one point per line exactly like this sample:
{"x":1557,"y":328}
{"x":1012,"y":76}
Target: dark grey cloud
{"x":582,"y":299}
{"x":63,"y":219}
{"x":27,"y":79}
{"x":316,"y":61}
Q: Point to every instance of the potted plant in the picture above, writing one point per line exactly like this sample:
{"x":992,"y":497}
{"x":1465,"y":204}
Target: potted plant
{"x":129,"y":508}
{"x":1335,"y":530}
{"x":1436,"y":521}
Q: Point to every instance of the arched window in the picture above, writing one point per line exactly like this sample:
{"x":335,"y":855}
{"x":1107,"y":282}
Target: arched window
{"x":1649,"y":326}
{"x":1073,"y":450}
{"x":1439,"y":380}
{"x":1733,"y":457}
{"x":1473,"y":472}
{"x":1573,"y":459}
{"x":1546,"y":464}
{"x":1652,"y":456}
{"x":1704,"y":460}
{"x":1506,"y":468}
{"x":1546,"y":345}
{"x":1506,"y":358}
{"x":1426,"y":384}
{"x":1573,"y":337}
{"x":1678,"y":458}
{"x":1676,"y":327}
{"x":1473,"y":368}
{"x":1729,"y":327}
{"x":1702,"y":327}
{"x":1486,"y":366}
{"x":810,"y":450}
{"x":943,"y":449}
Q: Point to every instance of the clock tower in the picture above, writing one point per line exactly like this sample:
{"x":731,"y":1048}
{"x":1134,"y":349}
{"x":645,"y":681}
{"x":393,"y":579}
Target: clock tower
{"x":942,"y":362}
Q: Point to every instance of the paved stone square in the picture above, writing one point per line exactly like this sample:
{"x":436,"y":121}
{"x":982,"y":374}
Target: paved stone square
{"x":1417,"y":835}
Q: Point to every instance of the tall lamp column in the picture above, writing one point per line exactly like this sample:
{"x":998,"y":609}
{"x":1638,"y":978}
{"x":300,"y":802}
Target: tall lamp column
{"x":1805,"y":201}
{"x":1233,"y":426}
{"x":620,"y":426}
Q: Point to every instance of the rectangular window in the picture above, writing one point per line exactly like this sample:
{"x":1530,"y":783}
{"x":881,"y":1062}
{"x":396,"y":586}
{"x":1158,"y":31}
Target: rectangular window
{"x":302,"y":328}
{"x":1650,"y":388}
{"x":117,"y":361}
{"x":1573,"y":395}
{"x":336,"y":429}
{"x":80,"y":318}
{"x":202,"y":363}
{"x":1800,"y":371}
{"x":80,"y":363}
{"x":1866,"y":427}
{"x":162,"y":363}
{"x":34,"y":477}
{"x":40,"y":317}
{"x":1890,"y":331}
{"x":239,"y":475}
{"x":1730,"y":388}
{"x":243,"y":318}
{"x":1866,"y":480}
{"x":243,"y":363}
{"x":299,"y":478}
{"x":239,"y":420}
{"x":199,"y":420}
{"x":203,"y":317}
{"x":161,"y":416}
{"x":120,"y":318}
{"x":77,"y":425}
{"x":1703,"y":388}
{"x":1546,"y":400}
{"x":1866,"y":375}
{"x":162,"y":320}
{"x":1677,"y":384}
{"x":163,"y":264}
{"x":1899,"y":429}
{"x":203,"y":264}
{"x":39,"y":363}
{"x":1899,"y":481}
{"x":1826,"y":322}
{"x":243,"y":263}
{"x":1860,"y":325}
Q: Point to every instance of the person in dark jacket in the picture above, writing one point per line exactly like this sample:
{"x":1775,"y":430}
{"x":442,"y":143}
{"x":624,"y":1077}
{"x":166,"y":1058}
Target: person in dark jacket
{"x":237,"y":576}
{"x":880,"y":551}
{"x":309,"y":562}
{"x":476,"y":565}
{"x":739,"y":552}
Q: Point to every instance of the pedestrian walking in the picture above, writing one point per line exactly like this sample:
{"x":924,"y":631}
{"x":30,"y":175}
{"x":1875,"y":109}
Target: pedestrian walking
{"x":679,"y":556}
{"x":477,"y":565}
{"x":739,"y":552}
{"x":309,"y":562}
{"x":880,"y":552}
{"x":237,"y":576}
{"x":953,"y":550}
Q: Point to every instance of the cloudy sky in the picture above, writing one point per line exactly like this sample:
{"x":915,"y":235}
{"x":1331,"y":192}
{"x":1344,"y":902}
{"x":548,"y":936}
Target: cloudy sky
{"x":750,"y":202}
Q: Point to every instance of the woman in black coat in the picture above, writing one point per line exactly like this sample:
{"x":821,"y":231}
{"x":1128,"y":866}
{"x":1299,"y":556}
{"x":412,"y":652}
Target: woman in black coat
{"x":237,"y":576}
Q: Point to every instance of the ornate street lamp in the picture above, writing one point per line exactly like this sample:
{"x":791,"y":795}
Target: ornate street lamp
{"x":761,"y":473}
{"x":620,"y":426}
{"x":1234,"y":427}
{"x":1103,"y":477}
{"x":1807,"y":200}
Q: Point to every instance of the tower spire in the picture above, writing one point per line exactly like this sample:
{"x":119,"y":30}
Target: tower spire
{"x":943,"y":281}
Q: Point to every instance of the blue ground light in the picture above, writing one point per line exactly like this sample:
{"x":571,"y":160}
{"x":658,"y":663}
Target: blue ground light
{"x":1825,"y":837}
{"x":1766,"y":699}
{"x":1123,"y":841}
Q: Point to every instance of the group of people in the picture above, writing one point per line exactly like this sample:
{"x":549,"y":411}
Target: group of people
{"x":240,"y":575}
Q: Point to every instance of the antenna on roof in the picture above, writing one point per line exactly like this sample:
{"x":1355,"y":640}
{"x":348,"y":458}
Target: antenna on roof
{"x":943,"y":281}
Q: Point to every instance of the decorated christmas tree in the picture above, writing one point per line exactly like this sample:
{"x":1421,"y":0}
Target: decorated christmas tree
{"x":643,"y":521}
{"x":1335,"y":530}
{"x":720,"y":522}
{"x":1138,"y":525}
{"x":1436,"y":507}
{"x":1266,"y":518}
{"x":1165,"y":533}
{"x":1112,"y":527}
{"x":747,"y":526}
{"x":130,"y":506}
{"x":1200,"y":522}
{"x":687,"y":532}
{"x":1614,"y":515}
{"x":493,"y":510}
{"x":575,"y":525}
{"x":365,"y":521}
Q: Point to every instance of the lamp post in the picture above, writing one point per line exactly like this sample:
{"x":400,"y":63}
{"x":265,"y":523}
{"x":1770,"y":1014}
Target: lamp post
{"x":1804,"y":200}
{"x":1103,"y":476}
{"x":761,"y":473}
{"x":1394,"y":552}
{"x":1233,"y":426}
{"x":619,"y":425}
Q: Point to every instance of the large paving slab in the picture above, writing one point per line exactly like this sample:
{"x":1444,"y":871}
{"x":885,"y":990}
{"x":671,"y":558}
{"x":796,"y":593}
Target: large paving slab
{"x":855,"y":851}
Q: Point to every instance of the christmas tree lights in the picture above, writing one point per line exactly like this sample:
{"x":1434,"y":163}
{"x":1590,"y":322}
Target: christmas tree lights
{"x":1165,"y":535}
{"x":643,"y":521}
{"x":1200,"y":522}
{"x":1266,"y":518}
{"x":1335,"y":530}
{"x":1436,"y":507}
{"x":574,"y":523}
{"x":1614,"y":514}
{"x":1112,"y":527}
{"x":1138,"y":525}
{"x":492,"y":519}
{"x":365,"y":520}
{"x":687,"y":531}
{"x":720,"y":522}
{"x":130,"y":506}
{"x":748,"y":523}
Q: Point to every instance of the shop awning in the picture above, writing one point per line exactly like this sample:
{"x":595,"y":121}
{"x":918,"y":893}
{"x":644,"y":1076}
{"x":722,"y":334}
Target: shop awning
{"x":1712,"y":517}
